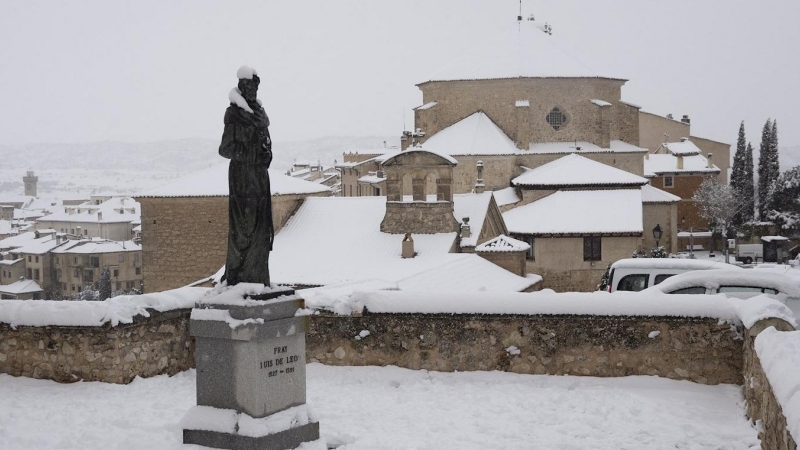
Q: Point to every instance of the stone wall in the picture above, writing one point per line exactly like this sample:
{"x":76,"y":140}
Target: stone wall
{"x":721,"y":152}
{"x":700,"y":350}
{"x":159,"y":344}
{"x":653,"y":127}
{"x":761,"y":402}
{"x":184,"y":239}
{"x":559,"y":260}
{"x":497,"y":98}
{"x":419,"y":218}
{"x":666,"y":215}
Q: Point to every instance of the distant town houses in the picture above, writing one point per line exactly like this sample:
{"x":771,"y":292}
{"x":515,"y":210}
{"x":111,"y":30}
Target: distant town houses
{"x":317,"y":173}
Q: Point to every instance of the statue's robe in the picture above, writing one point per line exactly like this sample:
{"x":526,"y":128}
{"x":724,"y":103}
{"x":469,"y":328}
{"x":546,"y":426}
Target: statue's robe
{"x":246,"y":142}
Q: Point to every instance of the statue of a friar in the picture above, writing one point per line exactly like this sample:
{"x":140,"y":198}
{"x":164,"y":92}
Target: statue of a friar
{"x":246,"y":142}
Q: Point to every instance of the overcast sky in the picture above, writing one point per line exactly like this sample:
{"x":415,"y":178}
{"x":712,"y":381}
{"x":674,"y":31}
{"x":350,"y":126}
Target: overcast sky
{"x":151,"y":70}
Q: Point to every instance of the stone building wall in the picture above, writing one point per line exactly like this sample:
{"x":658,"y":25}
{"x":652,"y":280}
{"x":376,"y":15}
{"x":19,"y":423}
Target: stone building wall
{"x":149,"y":346}
{"x":653,"y":127}
{"x":514,"y":262}
{"x":666,"y":215}
{"x":700,"y":350}
{"x":721,"y":152}
{"x":184,"y":239}
{"x":419,"y":218}
{"x":684,"y":186}
{"x":559,"y":260}
{"x":497,"y":98}
{"x":761,"y":401}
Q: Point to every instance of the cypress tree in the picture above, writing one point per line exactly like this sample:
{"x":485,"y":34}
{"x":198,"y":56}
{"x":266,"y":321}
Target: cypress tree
{"x":748,"y":187}
{"x":737,"y":175}
{"x":764,"y":170}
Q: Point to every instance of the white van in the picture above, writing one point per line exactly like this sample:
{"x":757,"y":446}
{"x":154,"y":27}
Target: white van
{"x":747,"y":253}
{"x":636,"y":274}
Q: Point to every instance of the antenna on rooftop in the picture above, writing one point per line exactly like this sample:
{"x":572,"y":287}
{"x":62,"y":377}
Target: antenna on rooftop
{"x":519,"y":17}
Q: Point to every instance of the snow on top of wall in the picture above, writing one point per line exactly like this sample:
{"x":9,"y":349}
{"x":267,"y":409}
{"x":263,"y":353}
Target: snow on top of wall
{"x":656,"y":164}
{"x":685,"y":148}
{"x":466,"y":273}
{"x":476,"y":134}
{"x":20,"y":287}
{"x":474,"y":206}
{"x":651,"y":194}
{"x":39,"y":246}
{"x":763,"y":307}
{"x":506,"y":196}
{"x":121,"y":309}
{"x":213,"y":182}
{"x":600,"y":102}
{"x":503,"y":243}
{"x":575,"y":212}
{"x":746,"y":277}
{"x":246,"y":72}
{"x":521,"y":51}
{"x":773,"y":238}
{"x":577,"y":170}
{"x":235,"y":97}
{"x":19,"y":240}
{"x":584,"y":146}
{"x":522,"y":103}
{"x":428,"y":105}
{"x":779,"y":353}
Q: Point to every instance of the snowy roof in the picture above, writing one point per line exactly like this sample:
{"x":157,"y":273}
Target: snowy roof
{"x":418,"y":149}
{"x":630,"y":104}
{"x":371,"y":179}
{"x":99,"y":246}
{"x":9,"y":262}
{"x":651,"y":194}
{"x":600,"y":102}
{"x":773,"y":238}
{"x":5,"y":226}
{"x":685,"y":148}
{"x":18,"y":240}
{"x":701,"y":234}
{"x":576,"y":170}
{"x":503,"y":243}
{"x":659,"y":163}
{"x":465,"y":273}
{"x":351,"y":226}
{"x":213,"y":182}
{"x":579,"y":212}
{"x":28,"y":214}
{"x":522,"y":50}
{"x":476,"y":134}
{"x":112,"y":210}
{"x":20,"y":287}
{"x":584,"y":146}
{"x":428,"y":105}
{"x":506,"y":196}
{"x":39,"y":246}
{"x":475,"y":207}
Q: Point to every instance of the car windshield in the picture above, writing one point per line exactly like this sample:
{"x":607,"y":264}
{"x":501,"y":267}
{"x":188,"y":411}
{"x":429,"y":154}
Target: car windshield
{"x":690,"y":290}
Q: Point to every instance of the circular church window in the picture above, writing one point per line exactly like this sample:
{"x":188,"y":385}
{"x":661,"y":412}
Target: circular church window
{"x":556,"y":118}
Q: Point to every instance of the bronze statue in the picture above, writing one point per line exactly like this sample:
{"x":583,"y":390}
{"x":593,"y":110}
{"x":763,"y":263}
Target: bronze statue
{"x":246,"y":142}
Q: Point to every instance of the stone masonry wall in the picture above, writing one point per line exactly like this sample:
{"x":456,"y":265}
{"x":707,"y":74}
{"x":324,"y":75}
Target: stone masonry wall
{"x":761,"y":401}
{"x":419,"y":218}
{"x":184,"y":239}
{"x":159,"y":344}
{"x":700,"y":350}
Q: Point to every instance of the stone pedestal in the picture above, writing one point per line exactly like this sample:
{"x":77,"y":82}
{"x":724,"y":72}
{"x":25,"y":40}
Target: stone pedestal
{"x":250,"y":356}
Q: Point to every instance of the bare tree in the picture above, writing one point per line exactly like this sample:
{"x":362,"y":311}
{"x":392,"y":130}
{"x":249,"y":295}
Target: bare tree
{"x":719,"y":205}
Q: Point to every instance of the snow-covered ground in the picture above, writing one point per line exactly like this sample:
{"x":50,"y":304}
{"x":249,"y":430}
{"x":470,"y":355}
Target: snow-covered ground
{"x":374,"y":408}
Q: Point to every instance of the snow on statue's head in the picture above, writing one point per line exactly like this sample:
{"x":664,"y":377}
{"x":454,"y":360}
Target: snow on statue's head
{"x":248,"y":82}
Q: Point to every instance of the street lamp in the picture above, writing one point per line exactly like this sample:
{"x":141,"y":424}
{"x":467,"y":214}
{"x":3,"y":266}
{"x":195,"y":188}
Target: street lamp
{"x":657,"y":233}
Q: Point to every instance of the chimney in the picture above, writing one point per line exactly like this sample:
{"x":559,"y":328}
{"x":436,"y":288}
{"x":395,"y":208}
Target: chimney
{"x":669,"y":116}
{"x":710,"y":164}
{"x":684,"y":139}
{"x":680,"y":162}
{"x":380,"y":174}
{"x":686,"y":120}
{"x":479,"y":186}
{"x":466,"y":231}
{"x":408,"y":247}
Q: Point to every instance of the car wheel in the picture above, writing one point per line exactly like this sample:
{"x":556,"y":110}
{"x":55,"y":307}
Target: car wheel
{"x":748,"y":260}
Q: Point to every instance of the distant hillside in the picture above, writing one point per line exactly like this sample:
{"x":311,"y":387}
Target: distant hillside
{"x":129,"y":167}
{"x":789,"y":157}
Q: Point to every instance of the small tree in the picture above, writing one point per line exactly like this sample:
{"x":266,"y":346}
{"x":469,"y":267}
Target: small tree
{"x":659,"y":252}
{"x":639,"y":253}
{"x":105,"y":284}
{"x":719,"y":205}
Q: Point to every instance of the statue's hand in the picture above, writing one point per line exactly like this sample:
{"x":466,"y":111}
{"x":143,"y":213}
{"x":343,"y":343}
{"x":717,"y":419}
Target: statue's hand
{"x":268,"y":151}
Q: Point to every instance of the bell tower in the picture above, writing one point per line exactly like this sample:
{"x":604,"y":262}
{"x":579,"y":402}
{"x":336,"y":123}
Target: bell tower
{"x":30,"y":184}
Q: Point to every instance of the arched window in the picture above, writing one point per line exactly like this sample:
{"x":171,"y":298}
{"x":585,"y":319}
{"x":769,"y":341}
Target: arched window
{"x":407,"y":188}
{"x":556,"y":118}
{"x":430,"y":187}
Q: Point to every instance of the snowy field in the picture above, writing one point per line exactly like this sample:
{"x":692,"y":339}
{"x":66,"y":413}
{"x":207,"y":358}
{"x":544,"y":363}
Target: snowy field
{"x":372,"y":408}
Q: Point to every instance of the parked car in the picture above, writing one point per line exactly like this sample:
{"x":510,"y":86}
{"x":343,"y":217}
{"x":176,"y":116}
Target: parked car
{"x":738,"y":284}
{"x":636,"y":274}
